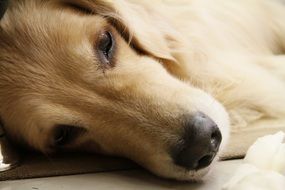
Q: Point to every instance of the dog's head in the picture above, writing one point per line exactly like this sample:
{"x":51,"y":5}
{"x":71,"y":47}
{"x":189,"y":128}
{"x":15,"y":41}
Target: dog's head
{"x":101,"y":76}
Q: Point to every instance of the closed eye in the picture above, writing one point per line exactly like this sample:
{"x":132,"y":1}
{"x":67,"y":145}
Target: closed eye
{"x":64,"y":135}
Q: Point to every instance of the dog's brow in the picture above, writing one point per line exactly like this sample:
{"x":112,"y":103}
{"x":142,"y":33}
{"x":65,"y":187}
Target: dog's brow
{"x":78,"y":8}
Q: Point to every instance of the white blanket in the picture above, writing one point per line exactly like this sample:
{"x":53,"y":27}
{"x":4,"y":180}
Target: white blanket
{"x":263,"y":167}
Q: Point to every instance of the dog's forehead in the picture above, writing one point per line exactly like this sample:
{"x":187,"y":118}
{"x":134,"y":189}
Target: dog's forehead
{"x":44,"y":44}
{"x":43,"y":27}
{"x":43,"y":34}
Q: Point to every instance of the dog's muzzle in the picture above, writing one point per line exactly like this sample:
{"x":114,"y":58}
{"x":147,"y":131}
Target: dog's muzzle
{"x":200,"y":143}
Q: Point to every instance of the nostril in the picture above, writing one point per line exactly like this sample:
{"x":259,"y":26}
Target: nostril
{"x":205,"y":161}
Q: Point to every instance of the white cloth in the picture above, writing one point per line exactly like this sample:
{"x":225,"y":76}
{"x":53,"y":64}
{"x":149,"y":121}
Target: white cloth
{"x":263,"y":167}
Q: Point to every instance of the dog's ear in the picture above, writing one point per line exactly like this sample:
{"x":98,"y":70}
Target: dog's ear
{"x":3,"y":7}
{"x":142,"y":27}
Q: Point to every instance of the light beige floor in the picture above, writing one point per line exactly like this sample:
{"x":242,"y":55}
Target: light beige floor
{"x":123,"y":180}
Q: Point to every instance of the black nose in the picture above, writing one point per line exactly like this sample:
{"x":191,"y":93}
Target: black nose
{"x":201,"y":143}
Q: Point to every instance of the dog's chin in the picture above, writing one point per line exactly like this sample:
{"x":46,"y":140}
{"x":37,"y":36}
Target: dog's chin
{"x":193,"y":176}
{"x":172,"y":171}
{"x":181,"y":174}
{"x":169,"y":170}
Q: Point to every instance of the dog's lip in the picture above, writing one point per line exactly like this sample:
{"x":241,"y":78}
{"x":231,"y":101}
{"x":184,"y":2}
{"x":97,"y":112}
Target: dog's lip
{"x":195,"y":176}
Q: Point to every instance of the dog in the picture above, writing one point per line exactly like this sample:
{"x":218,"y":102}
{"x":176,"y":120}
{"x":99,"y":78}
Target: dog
{"x":159,"y":82}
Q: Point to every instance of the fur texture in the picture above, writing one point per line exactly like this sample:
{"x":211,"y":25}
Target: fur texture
{"x":173,"y":58}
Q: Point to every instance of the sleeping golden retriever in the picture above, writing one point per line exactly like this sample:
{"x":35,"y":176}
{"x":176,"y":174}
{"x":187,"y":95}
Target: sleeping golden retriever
{"x":158,"y":82}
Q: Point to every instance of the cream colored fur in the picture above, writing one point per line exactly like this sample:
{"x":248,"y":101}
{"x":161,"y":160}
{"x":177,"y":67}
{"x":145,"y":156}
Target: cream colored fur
{"x":224,"y":58}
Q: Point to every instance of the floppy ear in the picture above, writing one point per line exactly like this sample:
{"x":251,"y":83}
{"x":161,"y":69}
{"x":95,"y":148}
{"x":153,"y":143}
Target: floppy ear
{"x":142,"y":27}
{"x":3,"y":7}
